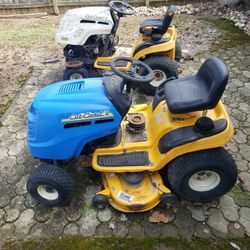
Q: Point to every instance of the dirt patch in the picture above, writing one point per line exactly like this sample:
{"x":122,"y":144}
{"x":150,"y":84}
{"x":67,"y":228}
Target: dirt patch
{"x":194,"y":35}
{"x":26,"y":43}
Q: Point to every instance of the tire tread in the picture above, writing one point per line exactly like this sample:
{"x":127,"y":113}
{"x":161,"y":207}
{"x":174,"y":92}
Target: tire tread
{"x":54,"y":174}
{"x":161,"y":62}
{"x":185,"y":163}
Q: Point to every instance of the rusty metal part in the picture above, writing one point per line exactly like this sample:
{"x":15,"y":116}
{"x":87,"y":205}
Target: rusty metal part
{"x":136,"y":207}
{"x":136,"y":123}
{"x":133,"y":178}
{"x":74,"y":64}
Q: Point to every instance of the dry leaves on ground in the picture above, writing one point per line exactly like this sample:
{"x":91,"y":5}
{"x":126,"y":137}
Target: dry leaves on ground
{"x":158,"y":217}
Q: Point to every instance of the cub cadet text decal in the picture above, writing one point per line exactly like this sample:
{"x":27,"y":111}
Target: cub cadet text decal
{"x":88,"y":116}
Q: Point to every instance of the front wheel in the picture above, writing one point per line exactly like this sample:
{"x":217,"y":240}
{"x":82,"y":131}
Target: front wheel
{"x":75,"y":73}
{"x":163,"y":69}
{"x":50,"y":186}
{"x":202,"y":176}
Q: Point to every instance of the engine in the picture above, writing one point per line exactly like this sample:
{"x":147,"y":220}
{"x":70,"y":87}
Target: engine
{"x":96,"y":45}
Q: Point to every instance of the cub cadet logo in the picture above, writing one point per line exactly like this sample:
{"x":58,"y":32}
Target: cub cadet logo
{"x":88,"y":116}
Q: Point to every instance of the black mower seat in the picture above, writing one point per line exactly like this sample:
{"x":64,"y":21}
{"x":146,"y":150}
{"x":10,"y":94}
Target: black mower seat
{"x":158,"y":26}
{"x":150,"y":23}
{"x":199,"y":92}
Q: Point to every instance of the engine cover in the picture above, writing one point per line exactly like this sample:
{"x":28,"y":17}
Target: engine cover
{"x":65,"y":116}
{"x":77,"y":25}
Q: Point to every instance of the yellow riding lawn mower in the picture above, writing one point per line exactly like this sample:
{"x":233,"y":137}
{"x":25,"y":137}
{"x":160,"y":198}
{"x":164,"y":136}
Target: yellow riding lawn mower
{"x":90,"y":37}
{"x":146,"y":154}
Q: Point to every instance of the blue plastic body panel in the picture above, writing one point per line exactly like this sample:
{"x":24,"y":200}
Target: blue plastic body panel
{"x":65,"y":116}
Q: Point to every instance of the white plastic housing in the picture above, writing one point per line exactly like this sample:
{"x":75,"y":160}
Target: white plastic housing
{"x":98,"y":21}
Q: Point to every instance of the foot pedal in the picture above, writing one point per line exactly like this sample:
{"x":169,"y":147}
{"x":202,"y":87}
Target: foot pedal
{"x":128,"y":159}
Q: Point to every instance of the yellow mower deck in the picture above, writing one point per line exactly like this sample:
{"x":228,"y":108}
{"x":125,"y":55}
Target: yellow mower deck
{"x":133,"y":198}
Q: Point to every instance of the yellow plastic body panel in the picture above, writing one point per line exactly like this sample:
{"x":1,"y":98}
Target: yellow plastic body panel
{"x":103,"y":59}
{"x":167,"y":49}
{"x":158,"y":123}
{"x":133,"y":198}
{"x":108,"y":59}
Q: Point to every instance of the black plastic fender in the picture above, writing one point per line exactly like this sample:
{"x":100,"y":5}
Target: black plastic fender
{"x":184,"y":135}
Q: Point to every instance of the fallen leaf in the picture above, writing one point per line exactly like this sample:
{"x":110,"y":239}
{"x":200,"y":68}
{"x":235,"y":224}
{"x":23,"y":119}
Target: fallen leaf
{"x":237,"y":226}
{"x":123,"y":217}
{"x":111,"y":225}
{"x":158,"y":217}
{"x":234,"y":245}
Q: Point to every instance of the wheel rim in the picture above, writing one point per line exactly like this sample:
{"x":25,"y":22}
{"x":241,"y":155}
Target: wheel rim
{"x":75,"y":76}
{"x":100,"y":205}
{"x":160,"y":77}
{"x":47,"y":192}
{"x":203,"y":181}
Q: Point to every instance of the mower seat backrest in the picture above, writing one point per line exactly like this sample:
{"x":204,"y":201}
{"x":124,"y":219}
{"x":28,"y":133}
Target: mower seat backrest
{"x":199,"y":92}
{"x":168,"y":17}
{"x":215,"y":74}
{"x":158,"y":26}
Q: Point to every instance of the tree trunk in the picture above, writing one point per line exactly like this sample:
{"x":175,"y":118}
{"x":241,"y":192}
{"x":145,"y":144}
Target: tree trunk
{"x":147,"y":3}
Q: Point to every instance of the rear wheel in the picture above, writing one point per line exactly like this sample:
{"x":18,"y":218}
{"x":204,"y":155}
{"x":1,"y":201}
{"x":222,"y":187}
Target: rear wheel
{"x":203,"y":175}
{"x":75,"y":73}
{"x":163,"y":69}
{"x":50,"y":185}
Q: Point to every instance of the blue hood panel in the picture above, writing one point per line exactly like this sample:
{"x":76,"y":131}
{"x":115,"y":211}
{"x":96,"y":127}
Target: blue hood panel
{"x":65,"y":116}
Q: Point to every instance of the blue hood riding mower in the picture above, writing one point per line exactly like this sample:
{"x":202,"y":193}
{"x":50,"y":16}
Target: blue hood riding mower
{"x":146,"y":154}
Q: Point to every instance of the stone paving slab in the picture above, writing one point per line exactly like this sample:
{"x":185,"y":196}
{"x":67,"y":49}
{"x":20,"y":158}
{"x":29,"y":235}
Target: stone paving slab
{"x":22,"y":218}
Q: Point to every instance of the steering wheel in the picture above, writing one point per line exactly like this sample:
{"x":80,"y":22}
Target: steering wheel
{"x":132,"y":75}
{"x":122,"y":8}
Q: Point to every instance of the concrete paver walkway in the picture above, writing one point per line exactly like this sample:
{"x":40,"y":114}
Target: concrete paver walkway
{"x":21,"y":217}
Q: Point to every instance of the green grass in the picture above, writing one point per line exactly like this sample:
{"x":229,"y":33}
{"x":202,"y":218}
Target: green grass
{"x":21,"y":80}
{"x":242,"y":198}
{"x":26,"y":35}
{"x":3,"y":108}
{"x":231,"y":35}
{"x":71,"y":243}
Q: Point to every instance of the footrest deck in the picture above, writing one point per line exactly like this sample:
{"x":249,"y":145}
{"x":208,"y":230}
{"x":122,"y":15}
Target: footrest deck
{"x":127,"y":159}
{"x":107,"y":64}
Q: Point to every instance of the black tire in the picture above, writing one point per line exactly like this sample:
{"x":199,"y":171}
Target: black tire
{"x":100,"y":202}
{"x":216,"y":162}
{"x":69,"y":73}
{"x":163,"y":64}
{"x":178,"y":51}
{"x":60,"y":183}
